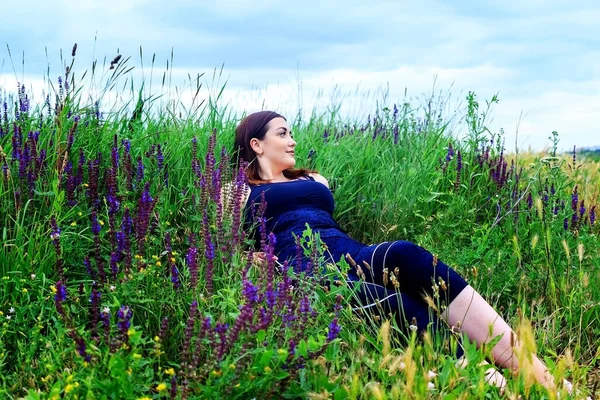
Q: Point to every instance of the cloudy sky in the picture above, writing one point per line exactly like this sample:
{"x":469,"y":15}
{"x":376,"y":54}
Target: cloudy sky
{"x":542,"y":57}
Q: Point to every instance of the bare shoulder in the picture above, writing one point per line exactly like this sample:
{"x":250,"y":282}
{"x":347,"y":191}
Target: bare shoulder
{"x":320,"y":178}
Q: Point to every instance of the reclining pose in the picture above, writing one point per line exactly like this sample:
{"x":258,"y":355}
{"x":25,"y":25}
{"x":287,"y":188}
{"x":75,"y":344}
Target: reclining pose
{"x":295,"y":197}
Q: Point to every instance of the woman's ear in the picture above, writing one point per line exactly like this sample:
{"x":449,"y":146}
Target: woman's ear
{"x":255,"y":145}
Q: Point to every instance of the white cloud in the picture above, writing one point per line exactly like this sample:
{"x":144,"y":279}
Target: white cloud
{"x":541,"y":56}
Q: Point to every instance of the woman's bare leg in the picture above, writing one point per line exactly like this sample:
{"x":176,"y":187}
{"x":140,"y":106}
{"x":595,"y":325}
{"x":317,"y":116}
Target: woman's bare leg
{"x":481,"y":323}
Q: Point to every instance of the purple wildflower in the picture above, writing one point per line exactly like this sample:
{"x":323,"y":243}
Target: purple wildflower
{"x":81,"y":348}
{"x":94,"y":308}
{"x":334,"y":330}
{"x":160,"y":158}
{"x":189,"y":330}
{"x":145,"y":206}
{"x":124,"y":320}
{"x":210,"y":256}
{"x":140,"y":170}
{"x":574,"y":199}
{"x":60,"y":297}
{"x":191,"y":259}
{"x":164,"y":327}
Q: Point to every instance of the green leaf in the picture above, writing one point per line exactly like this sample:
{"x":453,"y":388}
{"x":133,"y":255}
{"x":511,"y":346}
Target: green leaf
{"x":265,"y":359}
{"x":260,"y":336}
{"x":282,"y":374}
{"x":303,"y":349}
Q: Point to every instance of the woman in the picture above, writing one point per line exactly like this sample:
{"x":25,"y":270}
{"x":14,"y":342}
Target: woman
{"x":295,"y":197}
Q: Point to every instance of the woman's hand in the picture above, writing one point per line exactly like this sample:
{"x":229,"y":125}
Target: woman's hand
{"x":259,"y":259}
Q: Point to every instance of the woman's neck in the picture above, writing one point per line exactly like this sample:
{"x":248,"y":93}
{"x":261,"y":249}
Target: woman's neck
{"x":273,"y":177}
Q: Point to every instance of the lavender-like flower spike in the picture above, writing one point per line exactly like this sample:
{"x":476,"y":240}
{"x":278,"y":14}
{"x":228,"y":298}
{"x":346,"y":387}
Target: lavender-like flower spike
{"x":140,"y":170}
{"x":334,"y":327}
{"x":334,"y":330}
{"x":164,"y":326}
{"x":81,"y":348}
{"x":189,"y":330}
{"x":160,"y":158}
{"x":209,"y":252}
{"x":593,"y":216}
{"x":191,"y":259}
{"x":173,"y":389}
{"x":574,"y":199}
{"x":94,"y":309}
{"x":114,"y":154}
{"x":124,"y":321}
{"x":145,"y":206}
{"x":105,"y":318}
{"x":60,"y":297}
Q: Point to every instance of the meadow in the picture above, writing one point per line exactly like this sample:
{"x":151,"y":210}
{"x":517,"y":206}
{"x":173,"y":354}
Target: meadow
{"x":125,"y":274}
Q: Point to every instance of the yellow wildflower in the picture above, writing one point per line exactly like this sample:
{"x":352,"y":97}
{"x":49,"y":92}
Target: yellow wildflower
{"x":268,"y":369}
{"x":232,"y":366}
{"x":158,"y":264}
{"x":156,"y":338}
{"x":53,"y":289}
{"x":69,"y":388}
{"x":73,"y":223}
{"x":137,"y":356}
{"x":131,"y":332}
{"x":145,"y":398}
{"x":161,"y":387}
{"x":170,"y":371}
{"x":154,"y":256}
{"x":80,"y":213}
{"x":101,"y":222}
{"x":24,"y":290}
{"x":172,"y":259}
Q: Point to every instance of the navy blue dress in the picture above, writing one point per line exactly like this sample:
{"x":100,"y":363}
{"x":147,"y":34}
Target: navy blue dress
{"x":291,"y":205}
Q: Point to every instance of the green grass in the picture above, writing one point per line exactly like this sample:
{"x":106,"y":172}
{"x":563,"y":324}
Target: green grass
{"x":391,"y":179}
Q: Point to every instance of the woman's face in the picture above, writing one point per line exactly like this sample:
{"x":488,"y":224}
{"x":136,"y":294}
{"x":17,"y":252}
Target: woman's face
{"x":276,"y":149}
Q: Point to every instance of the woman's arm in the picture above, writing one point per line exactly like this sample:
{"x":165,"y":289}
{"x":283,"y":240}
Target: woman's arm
{"x":227,"y":193}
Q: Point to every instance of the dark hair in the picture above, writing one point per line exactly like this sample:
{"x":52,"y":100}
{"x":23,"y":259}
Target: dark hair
{"x":253,"y":126}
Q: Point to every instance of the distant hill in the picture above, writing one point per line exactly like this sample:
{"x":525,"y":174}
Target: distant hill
{"x":592,"y":149}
